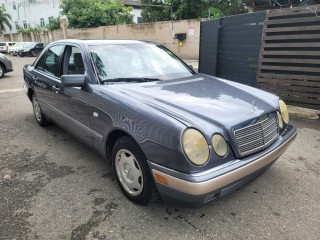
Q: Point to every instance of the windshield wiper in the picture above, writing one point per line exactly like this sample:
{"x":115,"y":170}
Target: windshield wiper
{"x":138,"y":80}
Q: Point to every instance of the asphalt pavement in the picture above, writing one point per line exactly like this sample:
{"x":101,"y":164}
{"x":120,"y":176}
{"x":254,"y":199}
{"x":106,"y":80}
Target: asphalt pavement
{"x":54,"y":187}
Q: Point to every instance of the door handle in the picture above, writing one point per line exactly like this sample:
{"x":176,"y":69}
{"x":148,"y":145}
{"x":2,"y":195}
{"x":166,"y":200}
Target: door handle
{"x":56,"y":89}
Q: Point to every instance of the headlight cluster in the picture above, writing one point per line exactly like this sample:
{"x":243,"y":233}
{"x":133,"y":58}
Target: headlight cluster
{"x":284,"y":114}
{"x":219,"y":145}
{"x":196,"y":147}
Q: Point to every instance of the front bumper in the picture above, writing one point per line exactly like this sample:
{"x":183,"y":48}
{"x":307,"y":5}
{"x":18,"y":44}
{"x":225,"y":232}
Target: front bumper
{"x":200,"y":188}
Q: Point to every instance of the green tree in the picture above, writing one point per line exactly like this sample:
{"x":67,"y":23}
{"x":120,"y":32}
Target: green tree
{"x":117,"y":13}
{"x":5,"y":20}
{"x":155,"y":14}
{"x":94,"y":13}
{"x":54,"y":23}
{"x":189,"y":9}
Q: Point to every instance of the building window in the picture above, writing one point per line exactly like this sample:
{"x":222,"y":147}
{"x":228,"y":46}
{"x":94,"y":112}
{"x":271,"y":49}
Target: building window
{"x":51,"y":19}
{"x":16,"y":24}
{"x":14,"y":5}
{"x":3,"y":6}
{"x":140,"y":20}
{"x":25,"y":25}
{"x":42,"y":24}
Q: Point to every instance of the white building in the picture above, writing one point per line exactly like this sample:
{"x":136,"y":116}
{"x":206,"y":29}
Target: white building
{"x":33,"y":12}
{"x":39,"y":12}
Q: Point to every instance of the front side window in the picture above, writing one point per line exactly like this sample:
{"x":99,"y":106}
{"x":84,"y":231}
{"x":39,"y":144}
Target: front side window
{"x":52,"y":60}
{"x":114,"y":61}
{"x":73,"y":61}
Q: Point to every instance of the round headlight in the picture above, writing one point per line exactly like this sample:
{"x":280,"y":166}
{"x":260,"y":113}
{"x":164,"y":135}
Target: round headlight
{"x":284,"y":111}
{"x":219,"y":145}
{"x":280,"y":121}
{"x":195,"y":146}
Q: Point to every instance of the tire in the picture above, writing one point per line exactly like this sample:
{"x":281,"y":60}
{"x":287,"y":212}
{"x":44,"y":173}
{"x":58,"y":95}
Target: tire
{"x":132,"y":171}
{"x":2,"y":71}
{"x":40,"y":118}
{"x":33,"y":53}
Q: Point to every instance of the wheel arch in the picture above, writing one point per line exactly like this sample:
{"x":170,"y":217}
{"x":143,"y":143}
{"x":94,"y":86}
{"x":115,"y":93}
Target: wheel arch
{"x":4,"y":66}
{"x":112,"y":137}
{"x":30,"y":93}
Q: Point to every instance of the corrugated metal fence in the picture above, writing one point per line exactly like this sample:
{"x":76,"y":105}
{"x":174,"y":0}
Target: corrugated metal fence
{"x":278,"y":51}
{"x":230,"y":47}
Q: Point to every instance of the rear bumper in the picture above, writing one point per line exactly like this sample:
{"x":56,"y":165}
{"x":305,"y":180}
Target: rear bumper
{"x":200,"y":188}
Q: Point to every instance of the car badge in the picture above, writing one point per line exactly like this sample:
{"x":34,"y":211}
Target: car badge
{"x":254,"y":106}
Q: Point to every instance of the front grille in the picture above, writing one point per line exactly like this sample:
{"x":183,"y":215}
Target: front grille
{"x":255,"y":137}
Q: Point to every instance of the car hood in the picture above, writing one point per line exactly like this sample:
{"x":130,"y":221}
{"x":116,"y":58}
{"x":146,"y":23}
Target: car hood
{"x":202,"y":101}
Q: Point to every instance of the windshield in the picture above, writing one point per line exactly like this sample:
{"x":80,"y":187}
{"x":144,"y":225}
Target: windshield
{"x":19,"y":44}
{"x":137,"y":61}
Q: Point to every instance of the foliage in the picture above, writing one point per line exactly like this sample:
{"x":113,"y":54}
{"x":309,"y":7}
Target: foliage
{"x":54,"y":23}
{"x":95,"y":13}
{"x":5,"y":20}
{"x":30,"y":29}
{"x":189,"y":9}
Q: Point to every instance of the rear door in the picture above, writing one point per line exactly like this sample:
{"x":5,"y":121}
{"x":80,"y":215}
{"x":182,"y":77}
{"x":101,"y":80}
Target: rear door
{"x":46,"y":79}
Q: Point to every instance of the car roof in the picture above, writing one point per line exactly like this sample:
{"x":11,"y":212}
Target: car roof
{"x":103,"y":42}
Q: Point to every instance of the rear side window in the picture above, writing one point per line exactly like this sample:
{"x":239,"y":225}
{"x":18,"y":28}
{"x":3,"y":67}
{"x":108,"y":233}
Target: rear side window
{"x":49,"y":62}
{"x":40,"y":62}
{"x":2,"y":44}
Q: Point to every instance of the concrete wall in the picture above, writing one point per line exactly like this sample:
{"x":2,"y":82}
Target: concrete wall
{"x":161,"y":32}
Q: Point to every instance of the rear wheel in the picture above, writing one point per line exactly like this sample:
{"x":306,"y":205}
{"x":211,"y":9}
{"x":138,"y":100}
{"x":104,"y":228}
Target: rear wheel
{"x":132,"y":171}
{"x":40,"y":118}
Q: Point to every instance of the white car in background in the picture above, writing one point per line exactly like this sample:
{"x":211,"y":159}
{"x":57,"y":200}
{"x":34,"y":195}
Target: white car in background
{"x":4,"y":46}
{"x":13,"y":50}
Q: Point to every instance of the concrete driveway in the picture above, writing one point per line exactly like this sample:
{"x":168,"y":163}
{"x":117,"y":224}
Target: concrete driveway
{"x":53,"y":187}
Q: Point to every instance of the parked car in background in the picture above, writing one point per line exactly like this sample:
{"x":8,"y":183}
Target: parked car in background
{"x":166,"y":129}
{"x":14,"y":49}
{"x":5,"y":65}
{"x":32,"y":49}
{"x":5,"y":45}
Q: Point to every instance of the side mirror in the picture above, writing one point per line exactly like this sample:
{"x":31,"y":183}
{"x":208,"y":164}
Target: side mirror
{"x":190,"y":66}
{"x":73,"y":80}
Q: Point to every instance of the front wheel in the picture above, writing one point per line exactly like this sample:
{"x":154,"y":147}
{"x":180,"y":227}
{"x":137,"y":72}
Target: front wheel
{"x":132,"y":171}
{"x":41,"y":119}
{"x":33,"y":53}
